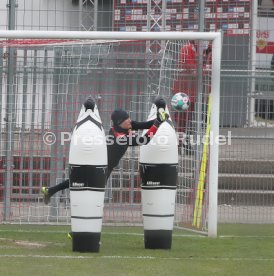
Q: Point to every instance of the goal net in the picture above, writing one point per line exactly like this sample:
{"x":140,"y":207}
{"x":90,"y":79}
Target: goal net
{"x":44,"y":80}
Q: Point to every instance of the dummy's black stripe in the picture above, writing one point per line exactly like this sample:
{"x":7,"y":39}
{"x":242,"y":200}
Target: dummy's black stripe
{"x":96,"y":167}
{"x":159,"y":187}
{"x":78,"y":217}
{"x":154,"y":165}
{"x":158,"y":216}
{"x":89,"y":118}
{"x":76,"y":189}
{"x":87,"y":177}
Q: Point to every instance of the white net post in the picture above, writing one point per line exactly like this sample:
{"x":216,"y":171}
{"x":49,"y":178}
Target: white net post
{"x":214,"y":148}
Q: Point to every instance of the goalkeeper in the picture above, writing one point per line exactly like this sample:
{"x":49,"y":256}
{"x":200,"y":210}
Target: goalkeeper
{"x":122,"y":135}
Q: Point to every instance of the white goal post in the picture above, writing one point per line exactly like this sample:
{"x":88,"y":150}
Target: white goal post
{"x":214,"y":84}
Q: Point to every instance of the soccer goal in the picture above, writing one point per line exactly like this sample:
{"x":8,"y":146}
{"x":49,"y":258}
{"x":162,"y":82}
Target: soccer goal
{"x":45,"y":77}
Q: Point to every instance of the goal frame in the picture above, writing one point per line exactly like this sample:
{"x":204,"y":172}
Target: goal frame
{"x":215,"y":37}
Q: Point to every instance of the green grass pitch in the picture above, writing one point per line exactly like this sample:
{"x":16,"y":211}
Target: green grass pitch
{"x":46,"y":250}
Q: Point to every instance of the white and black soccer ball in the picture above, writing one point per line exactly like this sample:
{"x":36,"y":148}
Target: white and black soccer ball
{"x":180,"y":101}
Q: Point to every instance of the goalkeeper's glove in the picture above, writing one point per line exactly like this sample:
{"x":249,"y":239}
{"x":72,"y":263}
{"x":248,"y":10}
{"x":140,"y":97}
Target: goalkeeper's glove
{"x":162,"y":116}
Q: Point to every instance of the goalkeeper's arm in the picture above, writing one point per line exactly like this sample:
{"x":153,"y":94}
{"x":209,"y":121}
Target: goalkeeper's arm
{"x":135,"y":140}
{"x":161,"y":115}
{"x":141,"y":125}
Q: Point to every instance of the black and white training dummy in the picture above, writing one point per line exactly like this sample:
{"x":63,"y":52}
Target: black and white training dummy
{"x":88,"y":172}
{"x":158,"y":171}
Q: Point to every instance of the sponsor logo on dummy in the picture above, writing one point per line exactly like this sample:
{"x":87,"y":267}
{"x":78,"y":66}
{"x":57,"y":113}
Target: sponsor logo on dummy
{"x":75,"y":184}
{"x":152,"y":183}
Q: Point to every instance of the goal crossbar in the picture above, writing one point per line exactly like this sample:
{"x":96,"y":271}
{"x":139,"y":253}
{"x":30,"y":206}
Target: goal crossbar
{"x":12,"y":34}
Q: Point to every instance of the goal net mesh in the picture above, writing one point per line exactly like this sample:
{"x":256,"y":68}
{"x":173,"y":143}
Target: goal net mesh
{"x":43,"y":84}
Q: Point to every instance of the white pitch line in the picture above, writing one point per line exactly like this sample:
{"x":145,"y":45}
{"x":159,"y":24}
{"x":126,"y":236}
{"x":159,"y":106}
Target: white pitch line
{"x":137,"y":257}
{"x":30,"y":231}
{"x":245,"y":237}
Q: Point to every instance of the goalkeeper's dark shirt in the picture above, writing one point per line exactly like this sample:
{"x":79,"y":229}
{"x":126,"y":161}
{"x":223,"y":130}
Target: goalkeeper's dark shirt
{"x":120,"y":139}
{"x":116,"y":150}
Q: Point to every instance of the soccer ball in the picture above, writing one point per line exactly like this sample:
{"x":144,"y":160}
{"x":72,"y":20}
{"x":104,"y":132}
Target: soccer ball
{"x":180,"y":101}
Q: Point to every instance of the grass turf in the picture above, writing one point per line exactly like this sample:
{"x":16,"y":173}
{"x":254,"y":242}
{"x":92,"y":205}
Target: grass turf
{"x":45,"y":250}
